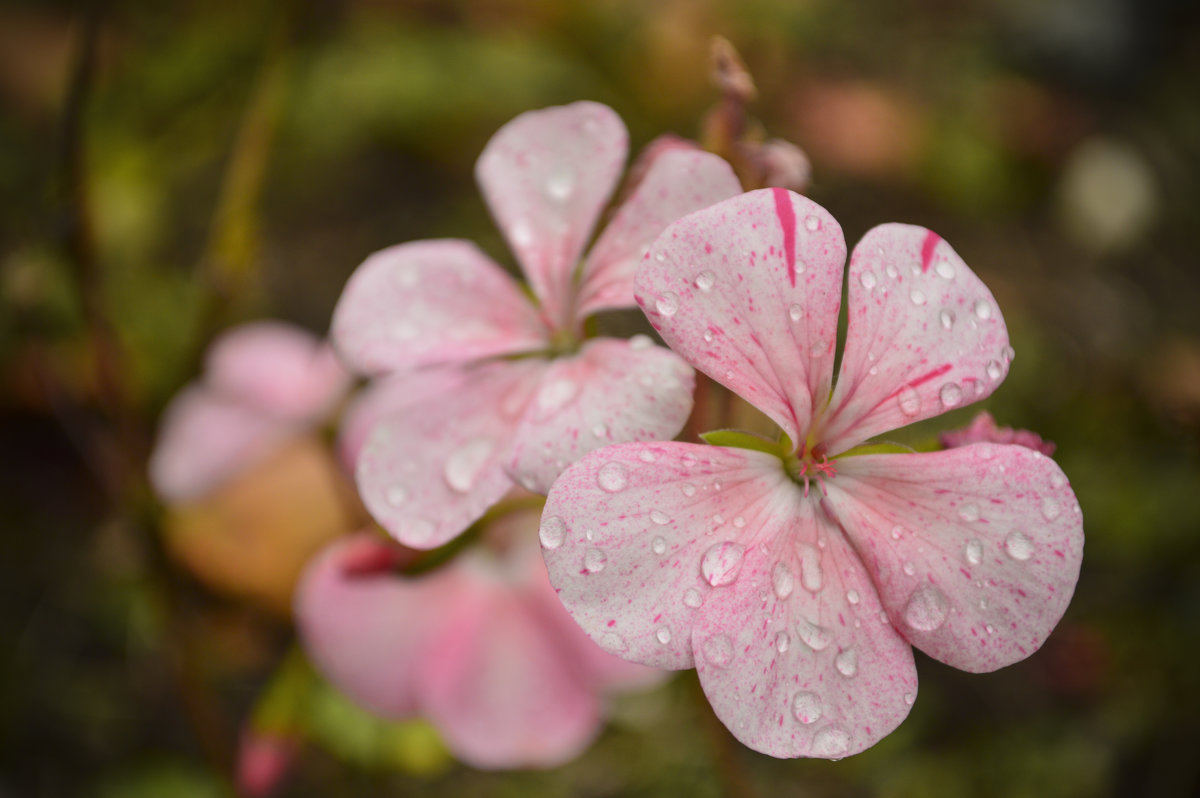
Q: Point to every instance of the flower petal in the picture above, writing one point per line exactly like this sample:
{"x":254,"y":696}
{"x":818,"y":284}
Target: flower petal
{"x":975,"y":550}
{"x":636,"y":535}
{"x":501,"y":687}
{"x":795,"y":655}
{"x":925,"y":336}
{"x":678,"y":182}
{"x":748,"y":292}
{"x":431,"y":302}
{"x":613,"y":391}
{"x":546,"y":176}
{"x":434,"y":464}
{"x":278,"y":368}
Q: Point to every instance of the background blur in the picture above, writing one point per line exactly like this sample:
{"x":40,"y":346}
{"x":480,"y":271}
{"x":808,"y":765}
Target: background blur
{"x":169,"y":169}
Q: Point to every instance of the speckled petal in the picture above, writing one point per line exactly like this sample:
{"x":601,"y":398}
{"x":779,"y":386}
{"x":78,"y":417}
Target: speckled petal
{"x":431,"y":302}
{"x":546,"y":175}
{"x":748,"y":291}
{"x":612,"y":391}
{"x":795,"y":655}
{"x":975,"y":550}
{"x":925,"y":336}
{"x":677,"y":182}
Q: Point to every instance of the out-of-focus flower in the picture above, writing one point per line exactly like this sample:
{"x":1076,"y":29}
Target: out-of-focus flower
{"x":484,"y":386}
{"x":481,"y":647}
{"x":796,"y":577}
{"x":983,"y":429}
{"x":263,"y":761}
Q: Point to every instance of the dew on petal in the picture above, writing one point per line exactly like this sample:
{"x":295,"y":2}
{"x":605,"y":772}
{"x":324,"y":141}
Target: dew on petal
{"x":1009,"y":353}
{"x":560,"y":185}
{"x":810,"y":567}
{"x":846,"y":662}
{"x":594,"y":560}
{"x":795,"y":312}
{"x":831,"y":741}
{"x":612,"y":477}
{"x":705,"y":280}
{"x":1057,"y":480}
{"x":667,"y":304}
{"x":647,"y":456}
{"x":1050,"y":509}
{"x":969,"y":512}
{"x":522,"y":233}
{"x":782,"y":642}
{"x":910,"y":698}
{"x":692,"y":597}
{"x":600,"y":430}
{"x":891,"y":271}
{"x":982,"y":309}
{"x":994,"y":370}
{"x":396,"y":495}
{"x":917,"y":296}
{"x":815,"y":637}
{"x":897,"y":532}
{"x":555,"y":395}
{"x":947,"y":317}
{"x":926,"y":610}
{"x":909,"y":569}
{"x":1018,"y":545}
{"x":722,"y":563}
{"x":553,"y":532}
{"x":659,"y":545}
{"x":688,"y":489}
{"x":739,"y":522}
{"x":806,"y":707}
{"x":659,"y":517}
{"x":812,"y":223}
{"x":867,"y":279}
{"x":782,"y":580}
{"x":466,"y":462}
{"x":909,"y":401}
{"x":640,"y":342}
{"x":852,"y":596}
{"x":663,"y":635}
{"x":974,"y":552}
{"x":613,"y":642}
{"x":944,"y":270}
{"x":951,"y":395}
{"x":718,"y":650}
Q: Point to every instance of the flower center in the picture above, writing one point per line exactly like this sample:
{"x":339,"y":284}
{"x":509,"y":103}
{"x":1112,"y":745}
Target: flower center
{"x":809,"y":465}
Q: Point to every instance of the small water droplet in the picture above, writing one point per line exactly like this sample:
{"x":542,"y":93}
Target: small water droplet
{"x":810,"y":567}
{"x":396,"y":495}
{"x":613,"y":642}
{"x":782,"y":641}
{"x":708,"y":336}
{"x":640,"y":342}
{"x":1057,"y":480}
{"x":806,"y":707}
{"x":688,"y":489}
{"x":897,"y":532}
{"x":1018,"y":545}
{"x":647,"y":456}
{"x":705,"y":280}
{"x":909,"y":401}
{"x":846,"y":662}
{"x":867,"y":279}
{"x":795,"y":313}
{"x":852,"y":596}
{"x":466,"y":462}
{"x":739,"y":522}
{"x":599,"y":430}
{"x":951,"y":395}
{"x":974,"y":552}
{"x":692,"y":597}
{"x":1009,"y":353}
{"x":612,"y":477}
{"x":522,"y":233}
{"x":969,"y":512}
{"x":717,"y":484}
{"x":663,"y":634}
{"x":812,"y":224}
{"x":994,"y":370}
{"x":909,"y":568}
{"x":831,"y":741}
{"x":718,"y":650}
{"x":982,"y":309}
{"x":815,"y":637}
{"x":659,"y":517}
{"x":589,"y":534}
{"x":560,"y":185}
{"x":782,"y":580}
{"x":1050,"y":509}
{"x":659,"y":545}
{"x":667,"y":304}
{"x":927,"y":608}
{"x":800,"y":266}
{"x":944,"y":270}
{"x":947,"y":317}
{"x":910,"y":698}
{"x":722,"y":563}
{"x":717,"y":520}
{"x":891,"y":271}
{"x":553,"y":532}
{"x":660,"y":256}
{"x":594,"y":560}
{"x":689,"y":460}
{"x":917,"y":296}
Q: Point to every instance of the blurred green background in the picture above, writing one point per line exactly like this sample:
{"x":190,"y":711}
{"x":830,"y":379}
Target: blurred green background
{"x":169,"y":169}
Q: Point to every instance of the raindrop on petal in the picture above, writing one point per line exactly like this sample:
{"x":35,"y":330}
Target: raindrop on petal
{"x":612,"y":477}
{"x":782,"y":641}
{"x":982,"y":309}
{"x":659,"y":517}
{"x":464,"y":463}
{"x":969,"y":512}
{"x":846,"y":662}
{"x":867,"y":279}
{"x":944,"y":270}
{"x":722,"y":563}
{"x":909,"y":401}
{"x":951,"y":395}
{"x":659,"y":545}
{"x":810,"y":567}
{"x":705,"y":280}
{"x":926,"y":610}
{"x":806,"y":707}
{"x":812,"y":224}
{"x":553,"y":532}
{"x":917,"y":296}
{"x":994,"y":370}
{"x":782,"y":580}
{"x":1050,"y":509}
{"x":555,"y":395}
{"x":718,"y":650}
{"x":1018,"y":545}
{"x":831,"y":741}
{"x":795,"y":313}
{"x":815,"y":637}
{"x":692,"y":597}
{"x":667,"y":304}
{"x":663,"y":634}
{"x":947,"y":318}
{"x":974,"y":552}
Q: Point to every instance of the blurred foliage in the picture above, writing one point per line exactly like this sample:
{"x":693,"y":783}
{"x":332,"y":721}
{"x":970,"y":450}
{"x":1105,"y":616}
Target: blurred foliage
{"x":291,"y":139}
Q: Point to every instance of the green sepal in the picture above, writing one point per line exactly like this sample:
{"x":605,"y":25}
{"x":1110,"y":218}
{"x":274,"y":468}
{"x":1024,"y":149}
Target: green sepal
{"x":742,"y":440}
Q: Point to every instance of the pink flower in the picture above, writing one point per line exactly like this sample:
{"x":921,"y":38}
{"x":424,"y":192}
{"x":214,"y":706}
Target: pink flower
{"x":983,"y":429}
{"x":263,"y":382}
{"x":461,"y":415}
{"x":481,"y":647}
{"x":796,"y":577}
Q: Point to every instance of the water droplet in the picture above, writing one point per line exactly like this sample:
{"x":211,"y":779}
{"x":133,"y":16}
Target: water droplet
{"x":806,"y":707}
{"x":974,"y":552}
{"x":396,"y":495}
{"x":659,"y":517}
{"x":1009,"y":353}
{"x":982,"y":309}
{"x":909,"y":568}
{"x":722,"y":563}
{"x":522,"y":233}
{"x":846,"y":662}
{"x":891,"y":271}
{"x":795,"y":313}
{"x":689,"y":460}
{"x":718,"y":650}
{"x":589,"y":534}
{"x":910,"y":698}
{"x":553,"y":532}
{"x":560,"y":185}
{"x":990,"y":629}
{"x":663,"y":634}
{"x":555,"y":395}
{"x":810,"y":567}
{"x":1050,"y":509}
{"x":897,"y":532}
{"x":660,"y":256}
{"x":830,"y":742}
{"x":852,"y":596}
{"x":994,"y":370}
{"x":417,"y":531}
{"x":926,"y":610}
{"x":951,"y":395}
{"x":947,"y":318}
{"x":782,"y":580}
{"x":667,"y":304}
{"x":640,"y":342}
{"x":717,"y":484}
{"x":739,"y":522}
{"x":659,"y":545}
{"x":600,"y":430}
{"x":717,"y":520}
{"x":782,"y":641}
{"x":613,"y":642}
{"x":815,"y":637}
{"x":800,"y":266}
{"x":708,"y":336}
{"x":917,"y":296}
{"x":688,"y":489}
{"x":692,"y":597}
{"x":647,"y":456}
{"x":1057,"y":480}
{"x":909,"y":401}
{"x":612,"y":477}
{"x":705,"y":280}
{"x":867,"y":279}
{"x":1018,"y":545}
{"x":969,"y":512}
{"x":944,"y":270}
{"x":812,"y":224}
{"x":594,"y":560}
{"x":464,"y":463}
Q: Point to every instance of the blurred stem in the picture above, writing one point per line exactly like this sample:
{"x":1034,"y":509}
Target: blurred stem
{"x":726,"y":751}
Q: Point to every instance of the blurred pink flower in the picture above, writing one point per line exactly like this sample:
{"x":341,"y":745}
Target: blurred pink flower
{"x":797,"y":577}
{"x":983,"y":429}
{"x":459,"y":417}
{"x":263,"y":761}
{"x":480,"y":647}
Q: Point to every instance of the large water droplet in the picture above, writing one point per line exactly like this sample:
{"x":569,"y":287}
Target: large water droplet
{"x":1018,"y":545}
{"x":1050,"y":509}
{"x":795,"y":313}
{"x":852,"y":596}
{"x":846,"y":662}
{"x":659,"y":517}
{"x":705,"y":280}
{"x":815,"y":637}
{"x":612,"y":477}
{"x":892,"y":271}
{"x":974,"y":552}
{"x":927,"y":608}
{"x":806,"y":707}
{"x":830,"y":742}
{"x":464,"y":463}
{"x":692,"y":597}
{"x":594,"y":560}
{"x":722,"y":563}
{"x":810,"y":567}
{"x":553,"y":532}
{"x":867,"y":279}
{"x":659,"y":545}
{"x":947,"y":318}
{"x":944,"y":270}
{"x":718,"y":650}
{"x":782,"y":580}
{"x":667,"y":304}
{"x":909,"y":401}
{"x":969,"y":512}
{"x":951,"y":395}
{"x":982,"y":308}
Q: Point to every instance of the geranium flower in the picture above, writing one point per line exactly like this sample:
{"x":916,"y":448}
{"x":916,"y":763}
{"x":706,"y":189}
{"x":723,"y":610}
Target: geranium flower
{"x":462,"y":414}
{"x":796,"y":577}
{"x":481,"y":647}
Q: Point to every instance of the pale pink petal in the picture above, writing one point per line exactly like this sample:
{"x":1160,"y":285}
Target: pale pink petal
{"x":432,"y":467}
{"x":678,"y":182}
{"x":546,"y":176}
{"x":612,"y":391}
{"x":367,"y":632}
{"x":636,"y":535}
{"x":975,"y":550}
{"x":795,"y":654}
{"x":748,"y":292}
{"x":924,"y":336}
{"x":500,"y":686}
{"x":278,"y":368}
{"x":204,"y":440}
{"x":431,"y":302}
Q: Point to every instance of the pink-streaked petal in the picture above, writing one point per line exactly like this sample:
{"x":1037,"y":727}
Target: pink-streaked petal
{"x":546,"y":176}
{"x":500,"y":686}
{"x":983,"y":429}
{"x":278,"y":368}
{"x":612,"y":391}
{"x":795,"y":655}
{"x":748,"y":292}
{"x":975,"y":551}
{"x":431,"y":302}
{"x":433,"y":466}
{"x":204,"y":440}
{"x":678,"y":182}
{"x":633,"y":537}
{"x":367,"y":632}
{"x":925,"y":336}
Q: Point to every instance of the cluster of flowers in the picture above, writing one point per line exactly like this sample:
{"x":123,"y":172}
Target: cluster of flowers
{"x":794,"y":574}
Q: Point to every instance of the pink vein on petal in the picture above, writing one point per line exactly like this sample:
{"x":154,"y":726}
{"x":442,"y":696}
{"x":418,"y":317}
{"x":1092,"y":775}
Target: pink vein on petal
{"x":931,"y":242}
{"x":787,"y":220}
